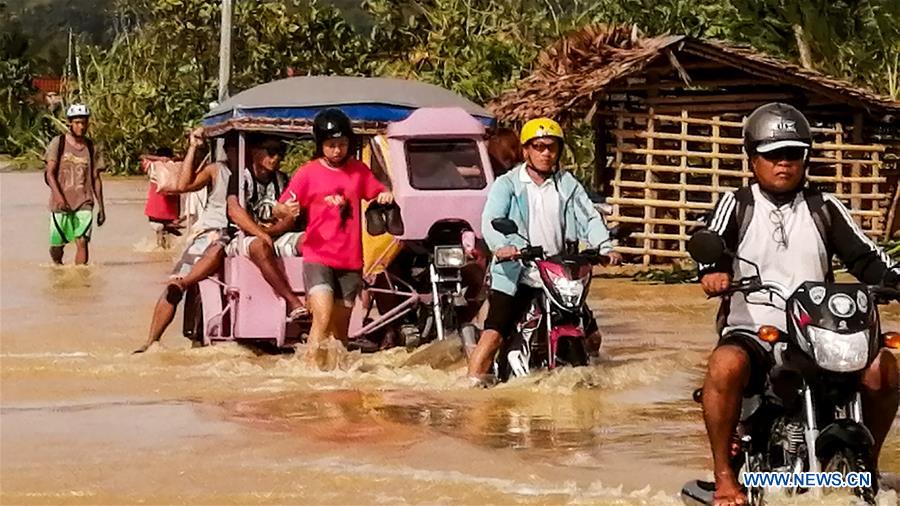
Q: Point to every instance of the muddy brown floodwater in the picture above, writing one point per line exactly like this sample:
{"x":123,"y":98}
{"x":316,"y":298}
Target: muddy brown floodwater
{"x":84,"y":422}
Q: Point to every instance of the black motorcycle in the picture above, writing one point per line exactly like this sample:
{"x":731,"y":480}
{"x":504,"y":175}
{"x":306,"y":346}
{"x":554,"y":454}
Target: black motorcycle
{"x":810,"y":417}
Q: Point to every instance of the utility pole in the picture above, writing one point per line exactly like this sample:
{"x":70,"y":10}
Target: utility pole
{"x":225,"y":51}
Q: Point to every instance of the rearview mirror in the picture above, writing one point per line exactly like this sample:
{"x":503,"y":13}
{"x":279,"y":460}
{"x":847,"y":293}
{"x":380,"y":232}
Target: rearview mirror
{"x":706,"y":247}
{"x":505,"y":226}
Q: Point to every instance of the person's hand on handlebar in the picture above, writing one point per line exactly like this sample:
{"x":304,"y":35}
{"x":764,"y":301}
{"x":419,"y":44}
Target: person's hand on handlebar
{"x":506,"y":253}
{"x":715,"y":283}
{"x":614,"y":258}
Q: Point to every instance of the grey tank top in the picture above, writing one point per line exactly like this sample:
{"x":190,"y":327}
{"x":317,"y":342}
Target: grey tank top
{"x":213,"y":216}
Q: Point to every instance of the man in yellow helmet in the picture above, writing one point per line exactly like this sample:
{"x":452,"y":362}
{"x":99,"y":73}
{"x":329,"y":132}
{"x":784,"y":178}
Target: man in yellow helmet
{"x":550,"y":208}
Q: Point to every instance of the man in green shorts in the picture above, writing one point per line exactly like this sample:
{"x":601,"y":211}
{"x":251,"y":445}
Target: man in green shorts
{"x":73,"y":175}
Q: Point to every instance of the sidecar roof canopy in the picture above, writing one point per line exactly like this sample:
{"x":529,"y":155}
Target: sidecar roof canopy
{"x":371,"y":102}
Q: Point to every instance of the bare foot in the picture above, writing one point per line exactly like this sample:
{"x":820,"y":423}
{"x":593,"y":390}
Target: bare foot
{"x":145,"y":347}
{"x":311,"y":356}
{"x":481,"y":381}
{"x":728,"y":492}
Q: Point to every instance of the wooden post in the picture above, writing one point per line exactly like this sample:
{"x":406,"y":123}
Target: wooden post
{"x":600,"y":169}
{"x":682,"y":194}
{"x":839,"y":157}
{"x":855,"y":188}
{"x":856,"y":204}
{"x":617,"y":170}
{"x":649,"y":193}
{"x":878,"y":223}
{"x":892,"y":213}
{"x":715,"y":159}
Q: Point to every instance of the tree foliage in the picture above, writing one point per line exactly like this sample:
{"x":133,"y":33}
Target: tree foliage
{"x":159,"y":73}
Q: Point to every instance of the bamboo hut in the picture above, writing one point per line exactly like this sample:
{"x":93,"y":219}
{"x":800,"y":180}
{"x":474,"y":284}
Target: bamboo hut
{"x":667,"y":114}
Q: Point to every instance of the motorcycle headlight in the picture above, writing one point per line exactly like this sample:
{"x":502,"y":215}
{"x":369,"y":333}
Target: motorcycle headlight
{"x":569,"y":290}
{"x":839,"y":352}
{"x":446,"y":257}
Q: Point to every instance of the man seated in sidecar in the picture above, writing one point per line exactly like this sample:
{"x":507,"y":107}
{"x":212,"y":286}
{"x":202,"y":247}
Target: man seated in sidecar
{"x":265,"y":235}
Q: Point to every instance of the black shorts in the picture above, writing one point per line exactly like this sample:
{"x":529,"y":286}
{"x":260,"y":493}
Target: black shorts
{"x":343,"y":284}
{"x":761,"y":361}
{"x":504,"y":310}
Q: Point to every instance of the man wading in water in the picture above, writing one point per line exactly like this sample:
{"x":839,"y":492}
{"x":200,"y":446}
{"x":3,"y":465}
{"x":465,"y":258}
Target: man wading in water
{"x":72,"y":172}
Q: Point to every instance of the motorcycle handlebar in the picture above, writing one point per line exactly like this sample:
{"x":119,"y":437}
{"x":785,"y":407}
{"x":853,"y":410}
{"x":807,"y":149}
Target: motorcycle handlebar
{"x":884,"y":293}
{"x":881,"y":293}
{"x":526,"y":253}
{"x":752,"y":285}
{"x":537,"y":252}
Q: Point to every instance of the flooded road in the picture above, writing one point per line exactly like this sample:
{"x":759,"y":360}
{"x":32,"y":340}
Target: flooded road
{"x":82,"y":421}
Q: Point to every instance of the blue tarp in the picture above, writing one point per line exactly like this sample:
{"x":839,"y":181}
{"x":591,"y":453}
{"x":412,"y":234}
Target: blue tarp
{"x":357,"y":112}
{"x":364,"y":99}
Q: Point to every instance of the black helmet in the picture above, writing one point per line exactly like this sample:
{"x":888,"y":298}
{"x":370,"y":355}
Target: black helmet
{"x":331,"y":124}
{"x":775,"y":126}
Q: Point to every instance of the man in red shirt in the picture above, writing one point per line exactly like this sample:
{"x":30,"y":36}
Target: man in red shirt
{"x":331,"y":188}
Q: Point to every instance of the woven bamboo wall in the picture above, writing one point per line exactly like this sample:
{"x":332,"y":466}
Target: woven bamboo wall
{"x":670,"y":168}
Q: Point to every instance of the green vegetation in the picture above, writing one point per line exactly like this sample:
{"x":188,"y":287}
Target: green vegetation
{"x":149,"y":67}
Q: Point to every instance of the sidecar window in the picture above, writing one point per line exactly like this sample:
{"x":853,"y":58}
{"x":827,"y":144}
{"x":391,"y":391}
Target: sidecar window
{"x":444,"y":164}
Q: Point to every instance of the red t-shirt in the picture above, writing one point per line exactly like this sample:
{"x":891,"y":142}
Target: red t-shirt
{"x":334,"y":233}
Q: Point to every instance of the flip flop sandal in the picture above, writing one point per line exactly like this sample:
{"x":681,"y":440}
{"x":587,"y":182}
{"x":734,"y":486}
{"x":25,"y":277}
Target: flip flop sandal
{"x":296,"y":314}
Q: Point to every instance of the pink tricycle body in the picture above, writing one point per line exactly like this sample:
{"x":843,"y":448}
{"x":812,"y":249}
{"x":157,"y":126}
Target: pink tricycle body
{"x":435,"y":161}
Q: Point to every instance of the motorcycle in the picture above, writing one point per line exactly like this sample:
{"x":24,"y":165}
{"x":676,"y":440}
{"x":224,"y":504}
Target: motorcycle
{"x":449,"y":266}
{"x":553,"y":331}
{"x":810,"y":417}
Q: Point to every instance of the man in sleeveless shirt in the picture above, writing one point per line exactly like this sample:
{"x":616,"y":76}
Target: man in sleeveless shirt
{"x":205,"y":252}
{"x":791,"y":232}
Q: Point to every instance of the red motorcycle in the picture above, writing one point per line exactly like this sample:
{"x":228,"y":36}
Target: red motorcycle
{"x":553,"y":332}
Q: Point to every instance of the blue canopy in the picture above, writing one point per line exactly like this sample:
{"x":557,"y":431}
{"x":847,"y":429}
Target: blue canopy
{"x":364,"y":99}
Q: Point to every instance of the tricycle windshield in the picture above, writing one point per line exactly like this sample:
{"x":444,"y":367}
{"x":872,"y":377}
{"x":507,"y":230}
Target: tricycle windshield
{"x":444,"y":164}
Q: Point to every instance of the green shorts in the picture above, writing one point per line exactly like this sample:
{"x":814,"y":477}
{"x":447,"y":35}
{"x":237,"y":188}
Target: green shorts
{"x":69,"y":226}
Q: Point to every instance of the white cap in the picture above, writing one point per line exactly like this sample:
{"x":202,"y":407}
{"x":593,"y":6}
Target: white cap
{"x":78,"y":111}
{"x":772,"y":146}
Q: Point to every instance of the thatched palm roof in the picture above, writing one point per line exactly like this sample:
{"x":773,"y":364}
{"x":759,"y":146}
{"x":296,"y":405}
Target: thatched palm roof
{"x":570,"y":74}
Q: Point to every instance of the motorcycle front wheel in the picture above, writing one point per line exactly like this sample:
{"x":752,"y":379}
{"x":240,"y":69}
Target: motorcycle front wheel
{"x":847,"y":461}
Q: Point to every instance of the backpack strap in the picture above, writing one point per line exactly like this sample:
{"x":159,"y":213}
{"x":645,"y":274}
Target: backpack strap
{"x":821,"y":216}
{"x":743,"y":211}
{"x":90,"y":147}
{"x":281,"y":182}
{"x":60,"y":148}
{"x":815,"y":201}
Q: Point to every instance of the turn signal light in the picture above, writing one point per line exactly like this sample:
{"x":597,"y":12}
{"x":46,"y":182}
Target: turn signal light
{"x":768,"y":333}
{"x":891,"y":340}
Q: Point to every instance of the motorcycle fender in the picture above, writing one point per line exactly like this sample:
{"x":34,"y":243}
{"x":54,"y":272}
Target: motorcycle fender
{"x":843,"y":433}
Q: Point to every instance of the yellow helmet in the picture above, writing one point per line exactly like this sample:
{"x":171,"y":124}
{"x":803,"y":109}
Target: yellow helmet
{"x":540,"y":127}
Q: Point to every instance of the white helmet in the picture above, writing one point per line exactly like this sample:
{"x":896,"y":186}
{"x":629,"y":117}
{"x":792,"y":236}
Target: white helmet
{"x":78,"y":111}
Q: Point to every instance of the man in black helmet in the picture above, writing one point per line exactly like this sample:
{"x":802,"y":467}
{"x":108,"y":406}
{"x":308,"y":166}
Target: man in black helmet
{"x":791,"y":232}
{"x":331,"y":189}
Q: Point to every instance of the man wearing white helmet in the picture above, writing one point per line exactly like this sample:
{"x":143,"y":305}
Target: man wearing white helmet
{"x":72,"y":172}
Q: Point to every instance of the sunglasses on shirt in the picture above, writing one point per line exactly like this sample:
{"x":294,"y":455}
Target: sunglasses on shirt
{"x":790,"y":154}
